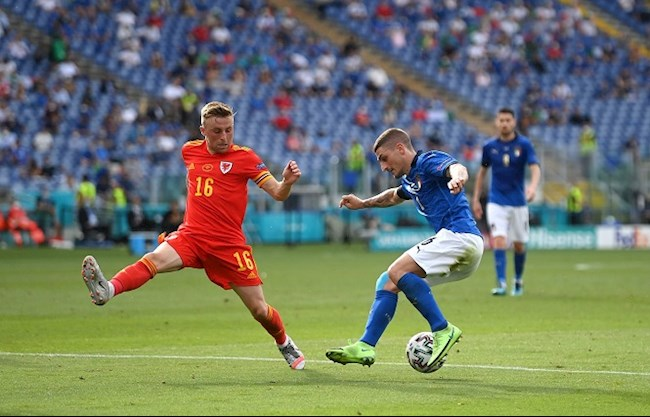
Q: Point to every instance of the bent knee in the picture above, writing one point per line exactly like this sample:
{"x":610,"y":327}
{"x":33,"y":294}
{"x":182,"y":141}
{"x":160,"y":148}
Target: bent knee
{"x":165,"y":258}
{"x":381,"y":281}
{"x":395,"y":274}
{"x":385,"y":283}
{"x":260,"y":313}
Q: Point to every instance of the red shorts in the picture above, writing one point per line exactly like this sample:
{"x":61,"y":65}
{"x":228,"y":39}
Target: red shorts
{"x":225,"y":265}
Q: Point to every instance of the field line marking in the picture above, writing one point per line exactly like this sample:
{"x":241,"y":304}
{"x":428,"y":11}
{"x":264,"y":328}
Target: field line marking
{"x":241,"y":358}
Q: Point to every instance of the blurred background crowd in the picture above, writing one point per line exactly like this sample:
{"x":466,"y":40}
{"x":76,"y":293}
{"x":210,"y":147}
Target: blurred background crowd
{"x":97,"y":97}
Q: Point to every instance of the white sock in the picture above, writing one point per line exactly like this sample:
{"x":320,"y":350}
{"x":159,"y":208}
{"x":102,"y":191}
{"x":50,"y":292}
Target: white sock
{"x":111,"y":290}
{"x":286,"y":342}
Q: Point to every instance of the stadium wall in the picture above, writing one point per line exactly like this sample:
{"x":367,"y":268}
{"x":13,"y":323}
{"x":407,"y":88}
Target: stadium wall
{"x":579,"y":237}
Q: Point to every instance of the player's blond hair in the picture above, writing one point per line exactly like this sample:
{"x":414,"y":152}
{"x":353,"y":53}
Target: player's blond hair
{"x":215,"y":109}
{"x":391,"y":137}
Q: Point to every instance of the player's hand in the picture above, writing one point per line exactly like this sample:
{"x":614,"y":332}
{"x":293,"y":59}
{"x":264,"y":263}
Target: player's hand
{"x":291,"y":172}
{"x":456,"y":185}
{"x":351,"y":201}
{"x":530,"y":194}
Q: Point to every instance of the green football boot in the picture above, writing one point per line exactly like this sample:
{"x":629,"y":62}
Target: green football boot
{"x":358,"y":352}
{"x":444,"y":340}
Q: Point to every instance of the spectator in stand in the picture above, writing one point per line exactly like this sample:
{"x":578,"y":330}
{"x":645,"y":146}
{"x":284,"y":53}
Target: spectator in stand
{"x":86,"y":197}
{"x":355,"y":162}
{"x":575,"y":205}
{"x":172,"y":218}
{"x":384,"y":11}
{"x":419,"y":113}
{"x":46,"y":217}
{"x":138,"y":220}
{"x":376,"y":81}
{"x":357,"y":10}
{"x":283,"y":100}
{"x":18,"y":221}
{"x":362,"y":117}
{"x":3,"y":223}
{"x":294,"y":141}
{"x":283,"y":121}
{"x":588,"y":146}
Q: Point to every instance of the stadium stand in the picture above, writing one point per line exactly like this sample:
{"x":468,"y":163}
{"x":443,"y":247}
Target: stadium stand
{"x":540,"y":57}
{"x":111,"y":89}
{"x":633,"y":14}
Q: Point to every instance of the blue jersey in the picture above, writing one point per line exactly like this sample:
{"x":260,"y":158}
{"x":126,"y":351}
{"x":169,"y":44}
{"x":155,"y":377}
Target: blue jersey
{"x":508,"y":161}
{"x":426,"y":185}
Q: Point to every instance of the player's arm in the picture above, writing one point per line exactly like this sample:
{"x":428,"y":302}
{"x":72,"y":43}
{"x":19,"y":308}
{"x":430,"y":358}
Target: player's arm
{"x":535,"y":175}
{"x":459,"y":176}
{"x":478,"y":188}
{"x":280,"y":190}
{"x":386,"y":198}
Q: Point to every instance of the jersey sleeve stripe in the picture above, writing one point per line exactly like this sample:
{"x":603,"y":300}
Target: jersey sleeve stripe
{"x":262,"y":178}
{"x":195,"y":142}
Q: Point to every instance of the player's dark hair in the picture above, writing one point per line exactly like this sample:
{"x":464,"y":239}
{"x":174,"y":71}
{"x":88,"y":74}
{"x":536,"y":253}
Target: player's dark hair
{"x":507,"y":110}
{"x":391,"y":137}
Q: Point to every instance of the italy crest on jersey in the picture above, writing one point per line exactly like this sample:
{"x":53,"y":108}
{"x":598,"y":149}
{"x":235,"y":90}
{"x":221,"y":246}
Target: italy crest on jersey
{"x":413,"y":187}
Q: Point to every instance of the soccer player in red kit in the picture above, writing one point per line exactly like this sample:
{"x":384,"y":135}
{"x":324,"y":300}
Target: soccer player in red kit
{"x":211,"y":235}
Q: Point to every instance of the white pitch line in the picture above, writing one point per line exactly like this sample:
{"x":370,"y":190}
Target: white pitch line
{"x":240,"y":358}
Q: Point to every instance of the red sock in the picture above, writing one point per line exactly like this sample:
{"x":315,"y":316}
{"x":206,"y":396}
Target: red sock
{"x":273,"y":324}
{"x":134,"y":276}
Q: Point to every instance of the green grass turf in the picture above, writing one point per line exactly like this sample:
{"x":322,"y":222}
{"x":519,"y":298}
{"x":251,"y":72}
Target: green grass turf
{"x":577,"y":343}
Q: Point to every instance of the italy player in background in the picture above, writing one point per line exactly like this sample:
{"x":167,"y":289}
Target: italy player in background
{"x":211,"y":235}
{"x":434,"y":181}
{"x":507,"y":205}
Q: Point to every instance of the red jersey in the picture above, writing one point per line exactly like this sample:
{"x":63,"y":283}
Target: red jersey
{"x":217,"y":190}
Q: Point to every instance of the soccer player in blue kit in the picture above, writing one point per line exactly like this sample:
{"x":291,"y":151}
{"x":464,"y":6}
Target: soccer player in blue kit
{"x":434,"y":181}
{"x":507,"y":204}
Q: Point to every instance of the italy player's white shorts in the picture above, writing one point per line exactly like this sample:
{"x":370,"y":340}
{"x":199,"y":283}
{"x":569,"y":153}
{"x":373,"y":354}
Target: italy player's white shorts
{"x":448,"y":256}
{"x":508,"y":221}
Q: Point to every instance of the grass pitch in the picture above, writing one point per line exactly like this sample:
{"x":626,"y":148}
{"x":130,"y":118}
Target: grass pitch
{"x":577,"y":342}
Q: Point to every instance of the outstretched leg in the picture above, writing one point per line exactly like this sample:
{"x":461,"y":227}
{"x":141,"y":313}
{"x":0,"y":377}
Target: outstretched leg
{"x":163,"y":259}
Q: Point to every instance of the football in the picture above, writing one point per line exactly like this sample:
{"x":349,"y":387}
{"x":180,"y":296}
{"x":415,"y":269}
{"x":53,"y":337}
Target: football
{"x":418,"y":352}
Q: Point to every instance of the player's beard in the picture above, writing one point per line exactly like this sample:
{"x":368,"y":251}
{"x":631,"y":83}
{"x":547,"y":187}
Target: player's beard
{"x":506,"y":133}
